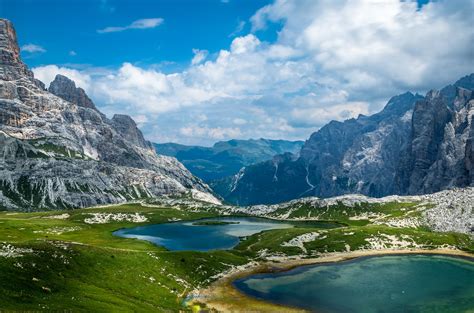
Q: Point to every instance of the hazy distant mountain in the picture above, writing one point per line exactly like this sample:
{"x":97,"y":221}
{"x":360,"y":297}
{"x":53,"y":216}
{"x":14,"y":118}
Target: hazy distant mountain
{"x":226,"y":158}
{"x":414,"y":145}
{"x":58,"y":151}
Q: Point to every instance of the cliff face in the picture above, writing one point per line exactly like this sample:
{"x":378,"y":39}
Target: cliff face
{"x":414,"y":145}
{"x":127,"y":127}
{"x":440,"y":152}
{"x":66,"y":89}
{"x":60,"y":152}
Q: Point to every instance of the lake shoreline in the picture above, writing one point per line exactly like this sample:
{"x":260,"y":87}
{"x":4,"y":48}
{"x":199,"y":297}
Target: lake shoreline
{"x":224,"y":297}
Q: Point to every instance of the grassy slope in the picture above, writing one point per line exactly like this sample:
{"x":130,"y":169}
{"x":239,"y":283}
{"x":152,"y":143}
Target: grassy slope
{"x":98,"y":272}
{"x":88,"y":269}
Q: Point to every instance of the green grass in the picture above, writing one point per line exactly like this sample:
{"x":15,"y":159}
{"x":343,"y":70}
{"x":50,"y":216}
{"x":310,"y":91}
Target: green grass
{"x":347,"y":214}
{"x":98,"y":271}
{"x":83,"y":267}
{"x":337,"y":239}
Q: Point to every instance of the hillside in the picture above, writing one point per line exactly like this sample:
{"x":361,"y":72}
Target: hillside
{"x":226,"y":158}
{"x":70,"y":259}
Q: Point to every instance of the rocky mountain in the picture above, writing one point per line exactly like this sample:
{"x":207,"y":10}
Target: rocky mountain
{"x":226,"y":158}
{"x":65,"y":88}
{"x":415,"y":145}
{"x":57,"y":150}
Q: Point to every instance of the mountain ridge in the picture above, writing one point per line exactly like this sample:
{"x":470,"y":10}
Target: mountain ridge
{"x":375,"y":155}
{"x":58,"y":154}
{"x":226,"y":158}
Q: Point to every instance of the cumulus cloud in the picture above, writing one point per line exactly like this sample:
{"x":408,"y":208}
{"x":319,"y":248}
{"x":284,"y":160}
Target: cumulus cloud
{"x":331,"y":60}
{"x":47,"y":74}
{"x":138,"y":24}
{"x":199,"y":56}
{"x":32,"y":48}
{"x":215,"y":133}
{"x":392,"y":45}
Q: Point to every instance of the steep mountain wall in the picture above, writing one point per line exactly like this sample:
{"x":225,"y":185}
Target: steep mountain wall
{"x":415,"y":145}
{"x":55,"y":153}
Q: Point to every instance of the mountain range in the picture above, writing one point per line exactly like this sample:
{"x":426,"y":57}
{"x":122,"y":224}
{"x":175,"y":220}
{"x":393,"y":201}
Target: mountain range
{"x":58,"y":151}
{"x":415,"y":145}
{"x":226,"y":158}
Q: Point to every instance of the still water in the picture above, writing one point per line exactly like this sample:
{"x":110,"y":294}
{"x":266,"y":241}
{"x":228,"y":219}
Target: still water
{"x":198,"y":236}
{"x":401,"y":283}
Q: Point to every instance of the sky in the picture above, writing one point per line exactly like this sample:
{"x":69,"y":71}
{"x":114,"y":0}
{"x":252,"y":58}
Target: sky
{"x":196,"y":72}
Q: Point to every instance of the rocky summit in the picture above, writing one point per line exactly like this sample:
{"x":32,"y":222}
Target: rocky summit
{"x":415,"y":145}
{"x":58,"y":151}
{"x":65,"y":88}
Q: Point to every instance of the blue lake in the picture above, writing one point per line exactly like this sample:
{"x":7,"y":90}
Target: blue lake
{"x":196,"y":235}
{"x":401,"y":283}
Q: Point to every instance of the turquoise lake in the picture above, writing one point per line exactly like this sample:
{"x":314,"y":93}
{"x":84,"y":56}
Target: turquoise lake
{"x":400,"y":283}
{"x":193,"y":235}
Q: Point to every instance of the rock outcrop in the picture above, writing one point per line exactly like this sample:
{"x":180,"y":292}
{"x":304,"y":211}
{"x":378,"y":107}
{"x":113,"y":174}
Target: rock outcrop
{"x":439,"y":154}
{"x":55,"y":153}
{"x":66,"y":89}
{"x":415,"y":145}
{"x":127,"y":127}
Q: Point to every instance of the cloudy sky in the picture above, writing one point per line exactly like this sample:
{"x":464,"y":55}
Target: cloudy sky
{"x":196,"y":72}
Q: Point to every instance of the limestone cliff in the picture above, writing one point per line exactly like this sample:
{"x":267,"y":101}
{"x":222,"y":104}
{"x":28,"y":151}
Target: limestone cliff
{"x":60,"y":152}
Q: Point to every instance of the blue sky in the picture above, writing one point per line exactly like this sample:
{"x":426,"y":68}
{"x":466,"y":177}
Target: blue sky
{"x":64,"y":26}
{"x":196,"y":72}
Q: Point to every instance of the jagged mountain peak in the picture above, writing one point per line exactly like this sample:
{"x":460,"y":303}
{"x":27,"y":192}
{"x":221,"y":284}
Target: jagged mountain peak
{"x":414,"y":145}
{"x":466,"y":82}
{"x":9,"y":44}
{"x":66,"y":89}
{"x":12,"y":67}
{"x":59,"y":151}
{"x":126,"y":126}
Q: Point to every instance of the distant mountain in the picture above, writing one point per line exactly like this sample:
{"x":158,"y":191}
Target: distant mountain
{"x":415,"y":145}
{"x":226,"y":158}
{"x":58,"y":151}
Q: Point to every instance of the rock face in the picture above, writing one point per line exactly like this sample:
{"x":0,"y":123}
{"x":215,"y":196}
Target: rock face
{"x":439,"y":155}
{"x":226,"y":158}
{"x":415,"y":145}
{"x":65,"y":88}
{"x":126,"y":126}
{"x":59,"y":154}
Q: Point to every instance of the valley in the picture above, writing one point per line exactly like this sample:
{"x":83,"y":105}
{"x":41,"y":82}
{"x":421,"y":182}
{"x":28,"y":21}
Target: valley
{"x":130,"y":182}
{"x":57,"y":259}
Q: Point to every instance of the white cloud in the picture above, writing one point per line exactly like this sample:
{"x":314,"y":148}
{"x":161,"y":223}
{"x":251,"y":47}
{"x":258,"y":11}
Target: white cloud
{"x":199,"y":56}
{"x":331,"y":60}
{"x":216,"y":133}
{"x":238,"y":29}
{"x":140,"y":119}
{"x":47,"y":74}
{"x":138,"y":24}
{"x":244,"y":44}
{"x":72,"y":53}
{"x":239,"y":121}
{"x":368,"y":44}
{"x":32,"y":48}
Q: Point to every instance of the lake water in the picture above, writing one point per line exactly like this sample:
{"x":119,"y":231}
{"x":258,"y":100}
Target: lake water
{"x":194,"y":235}
{"x":402,"y":283}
